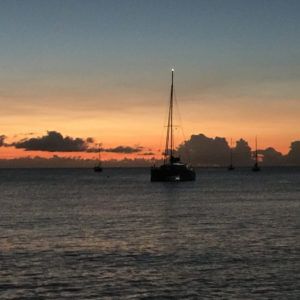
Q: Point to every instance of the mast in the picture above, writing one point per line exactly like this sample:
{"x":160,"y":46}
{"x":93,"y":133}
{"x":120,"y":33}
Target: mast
{"x":256,"y":155}
{"x":99,"y":154}
{"x":169,"y":139}
{"x":231,"y":152}
{"x":171,"y":109}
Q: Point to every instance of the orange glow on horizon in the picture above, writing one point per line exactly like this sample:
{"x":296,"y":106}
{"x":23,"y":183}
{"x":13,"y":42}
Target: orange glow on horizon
{"x":11,"y":152}
{"x":139,"y":120}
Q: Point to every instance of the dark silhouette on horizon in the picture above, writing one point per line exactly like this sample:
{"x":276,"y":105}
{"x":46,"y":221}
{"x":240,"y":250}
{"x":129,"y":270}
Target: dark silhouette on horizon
{"x":199,"y":150}
{"x":2,"y":139}
{"x":256,"y":167}
{"x":98,"y":168}
{"x":54,"y":141}
{"x":231,"y":166}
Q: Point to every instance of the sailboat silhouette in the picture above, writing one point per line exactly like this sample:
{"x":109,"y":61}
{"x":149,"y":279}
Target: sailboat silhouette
{"x":256,"y":167}
{"x":98,"y":167}
{"x":231,"y":166}
{"x":172,"y":169}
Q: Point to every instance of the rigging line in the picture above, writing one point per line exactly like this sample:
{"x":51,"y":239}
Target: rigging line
{"x":168,"y":135}
{"x":164,"y":129}
{"x":230,"y":151}
{"x":169,"y":138}
{"x":181,"y":126}
{"x":172,"y":129}
{"x":162,"y":135}
{"x":179,"y":116}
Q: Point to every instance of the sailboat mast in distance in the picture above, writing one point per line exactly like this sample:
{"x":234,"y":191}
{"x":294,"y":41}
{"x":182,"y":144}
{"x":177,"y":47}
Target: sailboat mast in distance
{"x":172,"y":169}
{"x":98,"y":167}
{"x":256,"y":167}
{"x":99,"y":154}
{"x":231,"y":167}
{"x":256,"y":156}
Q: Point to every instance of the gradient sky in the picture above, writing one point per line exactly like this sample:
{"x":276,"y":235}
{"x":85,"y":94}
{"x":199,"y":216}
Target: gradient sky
{"x":102,"y":69}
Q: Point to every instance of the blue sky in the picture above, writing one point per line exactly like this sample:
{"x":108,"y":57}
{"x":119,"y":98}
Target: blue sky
{"x":135,"y":36}
{"x":55,"y":55}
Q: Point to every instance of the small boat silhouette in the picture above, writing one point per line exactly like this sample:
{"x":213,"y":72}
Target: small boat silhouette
{"x":98,"y":167}
{"x":256,"y":167}
{"x":231,"y":166}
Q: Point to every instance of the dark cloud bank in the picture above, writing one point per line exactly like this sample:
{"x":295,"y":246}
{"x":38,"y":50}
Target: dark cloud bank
{"x":54,"y":141}
{"x":199,"y":150}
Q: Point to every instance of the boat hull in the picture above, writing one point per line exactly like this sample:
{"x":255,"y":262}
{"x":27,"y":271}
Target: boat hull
{"x":172,"y":173}
{"x":256,"y":168}
{"x":98,"y":169}
{"x":230,"y":168}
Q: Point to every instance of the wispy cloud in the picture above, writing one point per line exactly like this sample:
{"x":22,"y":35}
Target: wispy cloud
{"x":124,"y":149}
{"x":147,"y":153}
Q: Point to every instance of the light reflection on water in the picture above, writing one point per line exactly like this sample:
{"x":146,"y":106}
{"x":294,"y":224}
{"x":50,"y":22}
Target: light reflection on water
{"x":75,"y":234}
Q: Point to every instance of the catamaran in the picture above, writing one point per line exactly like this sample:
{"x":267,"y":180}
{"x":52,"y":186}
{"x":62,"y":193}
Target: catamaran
{"x":172,"y":169}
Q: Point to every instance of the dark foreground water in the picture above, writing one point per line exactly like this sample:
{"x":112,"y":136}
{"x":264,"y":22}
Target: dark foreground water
{"x":75,"y":234}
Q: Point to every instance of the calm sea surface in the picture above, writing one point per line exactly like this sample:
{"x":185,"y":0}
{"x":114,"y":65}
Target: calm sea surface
{"x":76,"y":234}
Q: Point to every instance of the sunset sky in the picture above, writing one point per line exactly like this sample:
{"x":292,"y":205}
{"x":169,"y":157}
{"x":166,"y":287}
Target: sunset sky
{"x":101,"y":69}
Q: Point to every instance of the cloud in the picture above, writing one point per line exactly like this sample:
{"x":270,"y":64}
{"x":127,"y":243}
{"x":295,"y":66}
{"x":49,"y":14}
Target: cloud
{"x":147,"y":153}
{"x":90,"y":140}
{"x":242,"y":154}
{"x":117,"y":149}
{"x":271,"y":157}
{"x":54,"y":142}
{"x":23,"y":134}
{"x":124,"y":149}
{"x":293,"y":157}
{"x":202,"y":150}
{"x":2,"y":139}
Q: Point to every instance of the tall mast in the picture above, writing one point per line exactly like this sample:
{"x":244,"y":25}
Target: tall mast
{"x":171,"y":109}
{"x":169,"y":139}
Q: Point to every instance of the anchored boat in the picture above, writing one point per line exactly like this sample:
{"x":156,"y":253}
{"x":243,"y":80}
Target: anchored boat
{"x":98,"y":167}
{"x":256,"y":167}
{"x":172,"y":169}
{"x":231,"y":166}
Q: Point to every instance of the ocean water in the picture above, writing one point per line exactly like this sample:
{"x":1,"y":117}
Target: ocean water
{"x":76,"y":234}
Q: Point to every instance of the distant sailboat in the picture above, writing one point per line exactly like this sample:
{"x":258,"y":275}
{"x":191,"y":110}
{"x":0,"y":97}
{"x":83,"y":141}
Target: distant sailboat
{"x":172,"y":169}
{"x":256,"y":167}
{"x":98,"y":167}
{"x":231,"y":166}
